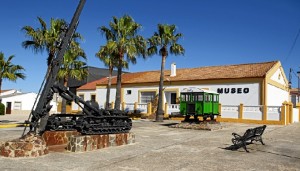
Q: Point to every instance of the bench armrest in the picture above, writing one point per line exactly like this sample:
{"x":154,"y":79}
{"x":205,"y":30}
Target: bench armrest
{"x":236,"y":136}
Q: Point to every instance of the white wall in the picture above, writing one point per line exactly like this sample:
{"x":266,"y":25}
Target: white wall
{"x":278,"y":77}
{"x":252,"y":97}
{"x":295,"y":115}
{"x":276,"y":96}
{"x":101,"y":96}
{"x":87,"y":96}
{"x":236,"y":98}
{"x":248,"y":94}
{"x":26,"y":100}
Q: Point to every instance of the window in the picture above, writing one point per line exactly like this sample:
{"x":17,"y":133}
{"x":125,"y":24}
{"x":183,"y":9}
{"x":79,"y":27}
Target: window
{"x":18,"y":106}
{"x":81,"y":96}
{"x":93,"y":97}
{"x":207,"y":98}
{"x":183,"y":97}
{"x":192,"y":98}
{"x":216,"y":98}
{"x":128,"y":92}
{"x":187,"y":97}
{"x":147,"y":97}
{"x":199,"y":97}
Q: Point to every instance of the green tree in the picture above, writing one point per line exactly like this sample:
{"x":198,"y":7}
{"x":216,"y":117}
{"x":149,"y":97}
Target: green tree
{"x":72,"y":67}
{"x":9,"y":71}
{"x":45,"y":39}
{"x":108,"y":55}
{"x":159,"y":42}
{"x":123,"y":32}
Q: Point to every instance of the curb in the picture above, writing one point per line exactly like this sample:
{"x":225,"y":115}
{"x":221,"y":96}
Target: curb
{"x":13,"y":125}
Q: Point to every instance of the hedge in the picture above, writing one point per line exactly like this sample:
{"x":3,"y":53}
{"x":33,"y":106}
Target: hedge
{"x":2,"y":109}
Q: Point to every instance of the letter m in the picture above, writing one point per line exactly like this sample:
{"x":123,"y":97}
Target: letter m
{"x":220,"y":90}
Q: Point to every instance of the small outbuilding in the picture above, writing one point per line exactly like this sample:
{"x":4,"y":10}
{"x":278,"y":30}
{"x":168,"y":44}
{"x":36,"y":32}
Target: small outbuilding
{"x":17,"y":102}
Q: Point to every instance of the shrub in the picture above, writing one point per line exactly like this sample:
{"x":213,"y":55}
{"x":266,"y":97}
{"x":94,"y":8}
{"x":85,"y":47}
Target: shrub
{"x":2,"y":109}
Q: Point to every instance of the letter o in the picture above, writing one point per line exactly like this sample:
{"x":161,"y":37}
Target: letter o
{"x":246,"y":90}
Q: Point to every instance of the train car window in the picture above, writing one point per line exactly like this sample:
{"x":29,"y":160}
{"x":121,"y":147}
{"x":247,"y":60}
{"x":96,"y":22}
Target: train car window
{"x":186,"y":97}
{"x":200,"y":97}
{"x":183,"y":97}
{"x":192,"y":98}
{"x":216,"y":98}
{"x":206,"y":97}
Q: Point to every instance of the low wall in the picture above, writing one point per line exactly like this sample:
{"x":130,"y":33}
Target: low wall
{"x":276,"y":115}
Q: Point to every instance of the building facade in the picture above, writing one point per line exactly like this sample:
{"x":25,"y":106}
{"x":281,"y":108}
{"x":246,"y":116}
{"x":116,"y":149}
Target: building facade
{"x":295,"y":96}
{"x":248,"y":84}
{"x":17,"y":102}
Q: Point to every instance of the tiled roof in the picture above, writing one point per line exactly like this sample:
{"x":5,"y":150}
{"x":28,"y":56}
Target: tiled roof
{"x":253,"y":70}
{"x":2,"y":91}
{"x":294,"y":91}
{"x":92,"y":85}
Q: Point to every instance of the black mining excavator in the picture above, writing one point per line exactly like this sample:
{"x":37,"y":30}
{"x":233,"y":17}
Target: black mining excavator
{"x":91,"y":120}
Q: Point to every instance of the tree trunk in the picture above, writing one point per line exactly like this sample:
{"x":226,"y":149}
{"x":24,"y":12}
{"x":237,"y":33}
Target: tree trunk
{"x":118,"y":89}
{"x":50,"y":57}
{"x":160,"y":111}
{"x":108,"y":88}
{"x":64,"y":101}
{"x":0,"y":88}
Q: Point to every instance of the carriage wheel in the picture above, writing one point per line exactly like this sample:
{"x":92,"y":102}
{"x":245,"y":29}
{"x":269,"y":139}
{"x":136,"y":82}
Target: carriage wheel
{"x":196,"y":118}
{"x":212,"y":117}
{"x":187,"y":118}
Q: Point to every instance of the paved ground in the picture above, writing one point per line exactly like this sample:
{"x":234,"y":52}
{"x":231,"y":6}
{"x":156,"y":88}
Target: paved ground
{"x":159,"y":147}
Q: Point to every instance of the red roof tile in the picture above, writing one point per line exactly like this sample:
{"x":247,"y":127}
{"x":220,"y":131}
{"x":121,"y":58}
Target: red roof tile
{"x":254,"y":70}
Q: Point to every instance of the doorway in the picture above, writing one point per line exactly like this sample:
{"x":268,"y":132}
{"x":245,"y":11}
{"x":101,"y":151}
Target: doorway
{"x":173,"y":98}
{"x":8,"y":107}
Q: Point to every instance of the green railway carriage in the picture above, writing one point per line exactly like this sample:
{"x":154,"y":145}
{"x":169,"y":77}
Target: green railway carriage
{"x":198,"y":102}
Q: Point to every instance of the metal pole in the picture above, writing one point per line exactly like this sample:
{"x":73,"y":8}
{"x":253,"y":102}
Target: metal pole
{"x":298,"y":94}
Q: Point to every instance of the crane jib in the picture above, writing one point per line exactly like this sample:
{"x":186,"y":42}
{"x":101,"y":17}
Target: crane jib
{"x":91,"y":119}
{"x":42,"y":107}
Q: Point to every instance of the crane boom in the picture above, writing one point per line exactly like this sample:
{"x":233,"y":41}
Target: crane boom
{"x":43,"y":106}
{"x":91,"y":120}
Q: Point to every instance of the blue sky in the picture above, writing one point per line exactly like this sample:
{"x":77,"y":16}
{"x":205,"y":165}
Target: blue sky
{"x":216,"y":32}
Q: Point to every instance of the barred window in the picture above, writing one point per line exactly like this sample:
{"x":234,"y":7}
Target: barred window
{"x":147,"y":97}
{"x":17,"y":105}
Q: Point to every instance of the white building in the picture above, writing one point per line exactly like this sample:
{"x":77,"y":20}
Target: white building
{"x":249,"y":84}
{"x":17,"y":102}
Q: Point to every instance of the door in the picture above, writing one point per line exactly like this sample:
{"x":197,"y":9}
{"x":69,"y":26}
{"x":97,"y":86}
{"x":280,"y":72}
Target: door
{"x":8,"y":107}
{"x":173,"y":98}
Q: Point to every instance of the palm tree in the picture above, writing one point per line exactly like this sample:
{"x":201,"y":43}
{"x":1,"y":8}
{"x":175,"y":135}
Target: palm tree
{"x":43,"y":38}
{"x":123,"y":32}
{"x":10,"y":71}
{"x":108,"y":55}
{"x":164,"y":38}
{"x":72,"y":67}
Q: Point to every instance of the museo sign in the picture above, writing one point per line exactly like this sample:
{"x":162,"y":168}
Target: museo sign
{"x":233,"y":90}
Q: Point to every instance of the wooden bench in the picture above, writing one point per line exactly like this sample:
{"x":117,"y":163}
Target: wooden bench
{"x":253,"y":134}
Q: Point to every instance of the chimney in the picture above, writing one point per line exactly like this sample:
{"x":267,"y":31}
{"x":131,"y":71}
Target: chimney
{"x":173,"y":69}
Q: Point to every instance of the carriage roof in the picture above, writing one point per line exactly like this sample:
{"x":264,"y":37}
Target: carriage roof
{"x":197,"y":90}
